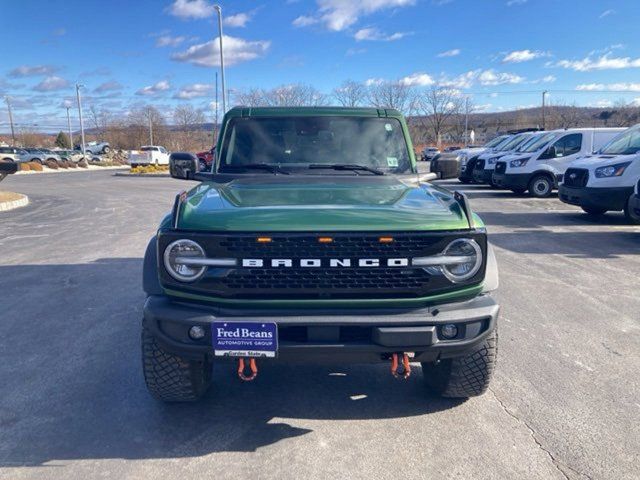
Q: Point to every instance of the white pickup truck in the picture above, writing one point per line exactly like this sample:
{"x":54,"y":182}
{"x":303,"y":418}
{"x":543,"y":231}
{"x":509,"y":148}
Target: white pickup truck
{"x":149,"y":155}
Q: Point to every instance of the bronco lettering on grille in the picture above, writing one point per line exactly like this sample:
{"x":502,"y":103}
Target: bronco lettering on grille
{"x":330,"y":262}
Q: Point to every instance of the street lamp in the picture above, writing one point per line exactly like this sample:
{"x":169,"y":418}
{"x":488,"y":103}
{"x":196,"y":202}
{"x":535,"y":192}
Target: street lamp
{"x":13,"y":133}
{"x":78,"y":87}
{"x":69,"y":127}
{"x":224,"y":91}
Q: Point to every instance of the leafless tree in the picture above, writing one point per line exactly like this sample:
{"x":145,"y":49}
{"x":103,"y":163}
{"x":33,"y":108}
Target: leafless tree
{"x":387,"y":94}
{"x":187,"y":119}
{"x":625,"y":114}
{"x":561,"y":115}
{"x":350,"y":94}
{"x":100,"y":118}
{"x":438,"y":108}
{"x":139,"y":121}
{"x":296,"y":95}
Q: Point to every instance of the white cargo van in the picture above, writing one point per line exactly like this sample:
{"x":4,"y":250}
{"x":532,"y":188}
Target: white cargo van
{"x":607,"y":180}
{"x":541,"y":170}
{"x":485,"y":164}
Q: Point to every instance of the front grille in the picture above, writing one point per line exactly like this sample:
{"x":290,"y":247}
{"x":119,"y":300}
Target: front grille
{"x":323,"y":282}
{"x":501,"y":167}
{"x":576,"y":177}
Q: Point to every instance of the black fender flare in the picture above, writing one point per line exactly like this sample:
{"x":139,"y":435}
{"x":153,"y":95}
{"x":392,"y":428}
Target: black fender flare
{"x":150,"y":280}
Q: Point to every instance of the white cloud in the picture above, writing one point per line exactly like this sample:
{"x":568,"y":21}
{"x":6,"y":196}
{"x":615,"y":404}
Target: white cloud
{"x":155,"y":89}
{"x":373,"y":81}
{"x":236,"y":50}
{"x":512,"y":3}
{"x":603,"y":103}
{"x":51,"y":84}
{"x":546,"y":79}
{"x":518,"y":56}
{"x":108,"y":86}
{"x":373,"y":34}
{"x":606,"y":13}
{"x":304,"y":21}
{"x":169,"y":41}
{"x":491,"y":77}
{"x":195,"y":90}
{"x":34,"y":70}
{"x":337,"y":15}
{"x":449,"y":53}
{"x":605,"y":62}
{"x":617,"y":87}
{"x":191,"y":9}
{"x":237,"y":20}
{"x":418,"y":79}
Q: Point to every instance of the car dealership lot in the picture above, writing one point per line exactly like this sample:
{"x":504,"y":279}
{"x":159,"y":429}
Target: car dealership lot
{"x":564,"y":402}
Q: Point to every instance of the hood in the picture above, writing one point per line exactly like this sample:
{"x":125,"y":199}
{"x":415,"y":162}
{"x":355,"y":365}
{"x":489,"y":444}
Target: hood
{"x":265,"y":203}
{"x":590,"y":161}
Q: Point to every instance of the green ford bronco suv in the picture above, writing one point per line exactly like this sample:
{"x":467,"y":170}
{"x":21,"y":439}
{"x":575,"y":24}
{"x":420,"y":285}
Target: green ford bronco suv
{"x":312,"y":239}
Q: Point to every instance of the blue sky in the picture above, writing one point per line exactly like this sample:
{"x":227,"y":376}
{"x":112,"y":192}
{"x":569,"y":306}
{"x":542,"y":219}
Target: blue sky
{"x":129,"y":53}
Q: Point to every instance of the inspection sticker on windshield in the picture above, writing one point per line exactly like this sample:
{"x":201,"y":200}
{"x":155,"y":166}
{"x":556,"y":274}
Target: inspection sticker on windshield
{"x":244,"y":339}
{"x":392,"y":161}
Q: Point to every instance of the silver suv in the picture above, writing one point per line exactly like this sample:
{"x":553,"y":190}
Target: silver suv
{"x":13,"y":154}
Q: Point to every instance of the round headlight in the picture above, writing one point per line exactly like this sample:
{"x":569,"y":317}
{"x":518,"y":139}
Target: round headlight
{"x":179,"y":257}
{"x":468,"y":263}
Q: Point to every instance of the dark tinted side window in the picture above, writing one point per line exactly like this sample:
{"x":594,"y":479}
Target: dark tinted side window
{"x":568,"y":145}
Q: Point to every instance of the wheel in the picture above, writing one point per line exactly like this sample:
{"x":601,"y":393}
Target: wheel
{"x":466,"y":376}
{"x":169,"y":377}
{"x":540,"y":186}
{"x":518,"y":191}
{"x":632,"y":218}
{"x":106,"y":149}
{"x":594,"y":211}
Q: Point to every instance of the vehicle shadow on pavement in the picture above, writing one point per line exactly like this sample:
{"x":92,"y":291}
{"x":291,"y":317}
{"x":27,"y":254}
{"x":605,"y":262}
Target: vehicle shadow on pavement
{"x":72,"y":386}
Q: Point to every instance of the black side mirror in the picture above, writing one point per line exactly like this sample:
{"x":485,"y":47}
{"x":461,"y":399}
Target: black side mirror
{"x":551,"y":152}
{"x":183,"y":166}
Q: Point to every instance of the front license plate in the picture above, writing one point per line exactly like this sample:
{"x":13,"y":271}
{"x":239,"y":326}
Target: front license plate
{"x":245,"y":339}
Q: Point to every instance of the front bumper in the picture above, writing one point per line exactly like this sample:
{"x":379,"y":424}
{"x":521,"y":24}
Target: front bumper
{"x":336,"y":337}
{"x":612,"y":198}
{"x":510,"y":181}
{"x":482,"y":176}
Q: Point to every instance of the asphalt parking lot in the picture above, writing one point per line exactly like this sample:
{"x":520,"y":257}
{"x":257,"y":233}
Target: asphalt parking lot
{"x":564,"y":403}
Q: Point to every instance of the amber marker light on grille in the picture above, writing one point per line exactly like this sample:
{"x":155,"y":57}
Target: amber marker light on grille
{"x":264,"y":239}
{"x":325,"y":239}
{"x":385,"y":239}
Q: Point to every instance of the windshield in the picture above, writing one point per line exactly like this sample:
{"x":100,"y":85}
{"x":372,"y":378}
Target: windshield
{"x":538,"y":143}
{"x":511,"y":143}
{"x":495,"y":141}
{"x":627,"y":143}
{"x":532,"y":139}
{"x":149,"y":149}
{"x":298,"y":142}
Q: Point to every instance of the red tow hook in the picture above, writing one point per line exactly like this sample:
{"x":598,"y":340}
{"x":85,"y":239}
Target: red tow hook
{"x":252,"y":366}
{"x":405,"y":370}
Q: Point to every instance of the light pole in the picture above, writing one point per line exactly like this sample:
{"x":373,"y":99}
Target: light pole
{"x":544,"y":98}
{"x":69,"y":127}
{"x":78,"y":87}
{"x":466,"y":120}
{"x":150,"y":128}
{"x":13,"y":133}
{"x":224,"y":90}
{"x":215,"y":125}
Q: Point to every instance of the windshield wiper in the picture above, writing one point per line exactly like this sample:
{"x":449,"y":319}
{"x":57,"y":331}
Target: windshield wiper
{"x":345,"y":166}
{"x":275,"y":169}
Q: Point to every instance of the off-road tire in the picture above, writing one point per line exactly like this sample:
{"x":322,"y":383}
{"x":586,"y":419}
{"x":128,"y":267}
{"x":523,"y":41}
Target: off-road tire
{"x":632,"y":218}
{"x":594,"y":211}
{"x":535,"y":186}
{"x":464,"y":377}
{"x":169,"y":377}
{"x":106,"y":149}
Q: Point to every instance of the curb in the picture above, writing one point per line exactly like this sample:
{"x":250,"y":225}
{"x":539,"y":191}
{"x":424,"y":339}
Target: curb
{"x":156,"y":175}
{"x":23,"y":201}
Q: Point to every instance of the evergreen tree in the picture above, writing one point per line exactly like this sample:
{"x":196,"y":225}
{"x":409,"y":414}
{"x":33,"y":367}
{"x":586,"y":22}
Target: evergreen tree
{"x":62,"y":140}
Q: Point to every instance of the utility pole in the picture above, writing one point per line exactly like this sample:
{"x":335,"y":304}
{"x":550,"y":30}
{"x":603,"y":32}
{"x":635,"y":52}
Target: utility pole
{"x":224,"y":90}
{"x":466,"y":120}
{"x":150,"y":129}
{"x":78,"y":87}
{"x":69,"y":127}
{"x":544,"y":98}
{"x":13,"y":133}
